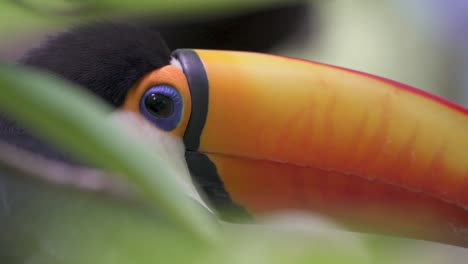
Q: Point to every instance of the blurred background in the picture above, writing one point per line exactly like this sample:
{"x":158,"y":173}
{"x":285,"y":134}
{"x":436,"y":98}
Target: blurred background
{"x":421,"y":43}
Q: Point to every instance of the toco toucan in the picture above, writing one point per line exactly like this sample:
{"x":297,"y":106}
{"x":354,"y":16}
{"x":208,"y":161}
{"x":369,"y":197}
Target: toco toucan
{"x":265,"y":133}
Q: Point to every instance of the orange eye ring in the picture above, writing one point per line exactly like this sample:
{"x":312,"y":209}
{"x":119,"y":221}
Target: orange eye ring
{"x":168,"y":75}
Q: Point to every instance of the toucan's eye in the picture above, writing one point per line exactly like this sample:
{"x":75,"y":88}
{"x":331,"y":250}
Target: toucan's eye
{"x":162,"y":105}
{"x":159,"y":105}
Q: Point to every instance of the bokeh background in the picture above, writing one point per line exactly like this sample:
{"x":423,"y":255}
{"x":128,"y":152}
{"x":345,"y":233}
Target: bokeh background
{"x":423,"y":43}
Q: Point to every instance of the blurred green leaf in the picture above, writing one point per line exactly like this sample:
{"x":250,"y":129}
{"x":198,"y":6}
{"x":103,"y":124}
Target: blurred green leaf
{"x":48,"y":224}
{"x":160,"y":7}
{"x":43,"y":223}
{"x":26,"y":23}
{"x":185,"y":6}
{"x":78,"y":122}
{"x":31,"y":14}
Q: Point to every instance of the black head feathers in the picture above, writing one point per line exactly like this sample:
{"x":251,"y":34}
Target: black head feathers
{"x":106,"y":58}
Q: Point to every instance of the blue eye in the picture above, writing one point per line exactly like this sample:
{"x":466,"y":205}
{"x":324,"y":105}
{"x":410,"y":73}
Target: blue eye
{"x":162,"y":105}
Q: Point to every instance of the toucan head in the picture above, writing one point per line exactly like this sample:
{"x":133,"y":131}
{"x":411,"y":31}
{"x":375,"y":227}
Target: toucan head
{"x":265,"y":133}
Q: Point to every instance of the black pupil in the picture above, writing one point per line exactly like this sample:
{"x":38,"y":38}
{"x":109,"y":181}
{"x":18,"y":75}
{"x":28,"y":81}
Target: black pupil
{"x":159,"y":105}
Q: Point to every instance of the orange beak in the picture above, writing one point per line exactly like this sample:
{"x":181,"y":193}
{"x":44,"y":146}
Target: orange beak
{"x":271,"y":133}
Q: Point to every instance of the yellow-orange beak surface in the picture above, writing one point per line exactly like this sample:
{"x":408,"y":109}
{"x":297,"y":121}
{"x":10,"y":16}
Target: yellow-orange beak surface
{"x":283,"y":133}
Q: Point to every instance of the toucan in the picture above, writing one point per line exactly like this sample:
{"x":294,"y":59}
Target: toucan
{"x":265,"y":133}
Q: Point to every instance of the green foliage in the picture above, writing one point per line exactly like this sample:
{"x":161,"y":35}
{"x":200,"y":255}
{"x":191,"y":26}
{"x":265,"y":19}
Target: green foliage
{"x":31,"y":15}
{"x":54,"y":225}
